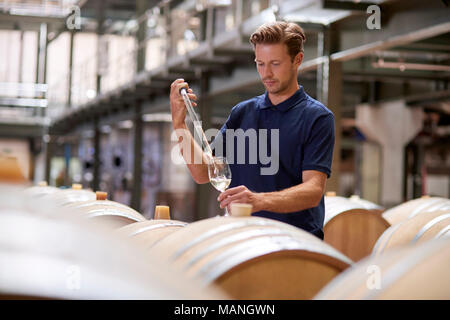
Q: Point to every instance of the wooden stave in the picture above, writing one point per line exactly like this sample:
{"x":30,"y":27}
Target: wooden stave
{"x":413,"y":207}
{"x":115,"y":214}
{"x":403,"y":233}
{"x":149,"y":232}
{"x":110,"y":216}
{"x":335,"y":205}
{"x":223,"y":263}
{"x":340,"y":212}
{"x":366,"y":204}
{"x":52,"y":239}
{"x":432,"y":228}
{"x":172,"y":250}
{"x":93,"y":204}
{"x":401,"y":265}
{"x":40,"y":191}
{"x":68,"y":196}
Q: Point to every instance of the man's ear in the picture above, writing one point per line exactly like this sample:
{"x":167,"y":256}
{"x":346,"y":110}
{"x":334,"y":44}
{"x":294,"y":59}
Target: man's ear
{"x":298,"y":59}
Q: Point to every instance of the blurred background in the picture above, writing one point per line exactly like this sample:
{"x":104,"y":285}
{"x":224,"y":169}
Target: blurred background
{"x":84,"y":91}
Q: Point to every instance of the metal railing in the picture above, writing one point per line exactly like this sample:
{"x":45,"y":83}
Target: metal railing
{"x":47,"y":8}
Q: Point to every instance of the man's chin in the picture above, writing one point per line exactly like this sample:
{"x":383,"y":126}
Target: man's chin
{"x":271,"y":89}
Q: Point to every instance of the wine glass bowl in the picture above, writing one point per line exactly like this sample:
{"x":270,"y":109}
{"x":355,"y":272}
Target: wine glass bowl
{"x":219,"y":174}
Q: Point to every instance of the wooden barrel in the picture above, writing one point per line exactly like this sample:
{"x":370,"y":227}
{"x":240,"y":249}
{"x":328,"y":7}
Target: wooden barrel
{"x":68,"y":196}
{"x":41,"y":190}
{"x":252,"y":258}
{"x":109,"y":213}
{"x":433,"y":229}
{"x":351,"y":228}
{"x":419,"y":272}
{"x":423,"y":226}
{"x":443,"y":234}
{"x":149,"y":232}
{"x":10,"y":171}
{"x":413,"y":207}
{"x":366,"y":204}
{"x":47,"y":254}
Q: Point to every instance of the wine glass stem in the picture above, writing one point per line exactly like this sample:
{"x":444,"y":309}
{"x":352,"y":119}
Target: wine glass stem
{"x":226,"y":212}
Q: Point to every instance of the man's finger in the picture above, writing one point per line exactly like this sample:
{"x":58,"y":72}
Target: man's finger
{"x":177,"y":81}
{"x":229,"y":192}
{"x":234,"y":198}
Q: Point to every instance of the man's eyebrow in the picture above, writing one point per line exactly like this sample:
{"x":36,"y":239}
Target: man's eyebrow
{"x":276,"y":60}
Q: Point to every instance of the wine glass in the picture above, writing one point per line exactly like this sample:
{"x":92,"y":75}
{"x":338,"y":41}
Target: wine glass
{"x":219,"y":174}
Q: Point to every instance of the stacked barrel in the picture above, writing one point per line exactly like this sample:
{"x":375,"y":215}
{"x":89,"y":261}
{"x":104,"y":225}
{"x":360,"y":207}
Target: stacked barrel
{"x":252,"y":258}
{"x":62,"y":244}
{"x":221,"y":257}
{"x":410,"y":259}
{"x":63,"y":236}
{"x":415,"y":222}
{"x":353,"y":225}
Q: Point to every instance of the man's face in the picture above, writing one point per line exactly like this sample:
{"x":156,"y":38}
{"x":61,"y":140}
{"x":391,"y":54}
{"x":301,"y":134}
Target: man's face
{"x":275,"y":67}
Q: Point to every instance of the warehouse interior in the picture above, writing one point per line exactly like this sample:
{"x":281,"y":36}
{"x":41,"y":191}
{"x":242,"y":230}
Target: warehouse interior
{"x":84,"y":92}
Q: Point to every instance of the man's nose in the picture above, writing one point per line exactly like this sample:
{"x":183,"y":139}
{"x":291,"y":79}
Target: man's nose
{"x":267,"y":73}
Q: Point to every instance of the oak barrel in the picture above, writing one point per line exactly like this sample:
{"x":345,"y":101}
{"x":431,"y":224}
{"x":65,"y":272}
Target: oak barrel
{"x":47,"y":252}
{"x":413,"y":207}
{"x":252,"y":258}
{"x":418,"y":272}
{"x":149,"y":232}
{"x":68,"y":196}
{"x":433,"y":229}
{"x":41,"y":190}
{"x":366,"y":204}
{"x":351,"y":228}
{"x":423,"y":226}
{"x":110,"y":213}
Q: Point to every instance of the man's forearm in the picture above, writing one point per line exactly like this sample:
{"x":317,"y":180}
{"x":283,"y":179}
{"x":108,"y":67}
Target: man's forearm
{"x":194,"y":157}
{"x":301,"y":197}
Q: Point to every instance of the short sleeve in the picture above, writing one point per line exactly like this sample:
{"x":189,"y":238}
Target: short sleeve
{"x":318,"y":149}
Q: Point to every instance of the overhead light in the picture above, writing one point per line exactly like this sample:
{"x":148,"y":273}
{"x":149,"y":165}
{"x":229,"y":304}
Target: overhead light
{"x":157,"y":117}
{"x":126,"y":124}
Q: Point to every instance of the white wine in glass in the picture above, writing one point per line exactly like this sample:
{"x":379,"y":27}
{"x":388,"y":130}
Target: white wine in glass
{"x":220,"y":183}
{"x":219,"y":174}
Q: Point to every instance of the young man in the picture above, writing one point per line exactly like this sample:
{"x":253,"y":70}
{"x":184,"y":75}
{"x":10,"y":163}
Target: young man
{"x":294,"y":193}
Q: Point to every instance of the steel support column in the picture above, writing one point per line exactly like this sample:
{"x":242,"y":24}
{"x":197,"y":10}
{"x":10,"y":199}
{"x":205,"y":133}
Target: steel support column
{"x":141,"y":8}
{"x":137,"y":158}
{"x":69,"y":87}
{"x":41,"y":62}
{"x":329,"y":92}
{"x":100,"y":53}
{"x":97,"y":150}
{"x":48,"y":157}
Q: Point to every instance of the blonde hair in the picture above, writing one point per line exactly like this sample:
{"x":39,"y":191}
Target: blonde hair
{"x":289,"y":33}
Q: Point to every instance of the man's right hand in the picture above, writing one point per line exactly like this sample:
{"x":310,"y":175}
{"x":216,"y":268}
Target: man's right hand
{"x":177,"y":107}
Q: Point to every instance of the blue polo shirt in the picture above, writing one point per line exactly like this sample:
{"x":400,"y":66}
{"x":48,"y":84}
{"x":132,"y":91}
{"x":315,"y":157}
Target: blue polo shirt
{"x":304,"y":128}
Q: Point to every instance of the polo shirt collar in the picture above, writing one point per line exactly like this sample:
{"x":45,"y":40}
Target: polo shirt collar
{"x":286,"y":104}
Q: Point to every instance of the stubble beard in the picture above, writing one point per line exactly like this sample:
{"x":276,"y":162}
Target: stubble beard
{"x":282,"y":86}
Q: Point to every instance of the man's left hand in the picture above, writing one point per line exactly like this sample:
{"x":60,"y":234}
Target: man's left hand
{"x":240,"y":194}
